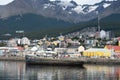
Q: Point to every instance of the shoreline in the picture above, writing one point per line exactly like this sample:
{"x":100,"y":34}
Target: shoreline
{"x":97,"y":61}
{"x":12,"y":58}
{"x":102,"y":61}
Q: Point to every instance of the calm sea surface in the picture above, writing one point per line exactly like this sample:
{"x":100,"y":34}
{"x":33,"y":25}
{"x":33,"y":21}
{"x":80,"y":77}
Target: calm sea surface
{"x":21,"y":71}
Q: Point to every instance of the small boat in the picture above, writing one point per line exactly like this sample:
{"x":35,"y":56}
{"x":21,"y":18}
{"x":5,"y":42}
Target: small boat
{"x":33,"y":59}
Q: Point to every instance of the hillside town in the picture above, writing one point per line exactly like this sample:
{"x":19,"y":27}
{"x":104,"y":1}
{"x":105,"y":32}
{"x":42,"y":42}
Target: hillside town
{"x":87,"y":43}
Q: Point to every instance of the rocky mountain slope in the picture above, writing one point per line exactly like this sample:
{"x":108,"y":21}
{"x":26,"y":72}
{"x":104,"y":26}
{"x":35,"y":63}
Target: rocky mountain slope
{"x":41,"y":17}
{"x":64,"y":10}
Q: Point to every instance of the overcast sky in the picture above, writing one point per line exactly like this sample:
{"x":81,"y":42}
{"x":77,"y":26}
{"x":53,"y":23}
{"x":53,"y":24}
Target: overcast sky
{"x":4,"y":2}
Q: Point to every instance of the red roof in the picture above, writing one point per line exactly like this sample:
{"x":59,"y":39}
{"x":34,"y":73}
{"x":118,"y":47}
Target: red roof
{"x":116,"y":48}
{"x":19,"y":48}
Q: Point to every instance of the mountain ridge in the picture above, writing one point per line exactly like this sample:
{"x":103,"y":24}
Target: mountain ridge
{"x":31,"y":23}
{"x":70,"y":11}
{"x":42,"y":17}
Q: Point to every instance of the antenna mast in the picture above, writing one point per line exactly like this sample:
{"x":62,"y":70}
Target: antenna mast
{"x":98,"y":19}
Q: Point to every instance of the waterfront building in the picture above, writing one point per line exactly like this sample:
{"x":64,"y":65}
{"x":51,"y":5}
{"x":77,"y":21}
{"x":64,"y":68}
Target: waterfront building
{"x":25,"y":41}
{"x":116,"y":50}
{"x":97,"y":52}
{"x":4,"y":51}
{"x":81,"y":49}
{"x":11,"y":43}
{"x":102,"y":34}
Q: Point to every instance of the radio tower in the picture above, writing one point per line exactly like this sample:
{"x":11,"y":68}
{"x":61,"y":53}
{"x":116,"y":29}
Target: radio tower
{"x":98,"y":19}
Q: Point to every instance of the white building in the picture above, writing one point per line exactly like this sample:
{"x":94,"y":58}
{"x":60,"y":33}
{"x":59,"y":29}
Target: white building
{"x":12,"y":43}
{"x":25,"y":41}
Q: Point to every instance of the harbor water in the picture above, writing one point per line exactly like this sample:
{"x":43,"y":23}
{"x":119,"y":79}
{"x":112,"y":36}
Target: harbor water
{"x":20,"y":71}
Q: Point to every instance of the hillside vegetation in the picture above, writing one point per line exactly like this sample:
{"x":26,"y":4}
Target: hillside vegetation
{"x":36,"y":26}
{"x":109,"y":23}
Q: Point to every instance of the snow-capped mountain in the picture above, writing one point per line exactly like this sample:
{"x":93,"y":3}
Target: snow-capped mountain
{"x":67,"y":10}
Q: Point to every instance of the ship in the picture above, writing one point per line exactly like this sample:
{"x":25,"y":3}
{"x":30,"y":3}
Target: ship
{"x":37,"y":60}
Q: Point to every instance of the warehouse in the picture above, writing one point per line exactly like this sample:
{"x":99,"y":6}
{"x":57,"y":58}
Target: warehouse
{"x":97,"y":52}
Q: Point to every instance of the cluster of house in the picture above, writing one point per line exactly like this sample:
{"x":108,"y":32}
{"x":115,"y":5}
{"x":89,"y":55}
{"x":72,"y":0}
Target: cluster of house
{"x":77,"y":44}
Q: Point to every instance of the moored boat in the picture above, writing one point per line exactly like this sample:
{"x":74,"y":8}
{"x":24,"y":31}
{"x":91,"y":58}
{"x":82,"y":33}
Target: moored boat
{"x":32,"y":59}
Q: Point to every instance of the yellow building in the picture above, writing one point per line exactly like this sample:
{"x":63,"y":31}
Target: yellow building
{"x":118,"y":41}
{"x":97,"y":52}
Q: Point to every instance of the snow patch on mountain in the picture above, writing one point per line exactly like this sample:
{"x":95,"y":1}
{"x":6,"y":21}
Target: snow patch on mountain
{"x":52,"y":0}
{"x":72,"y":6}
{"x":5,"y":2}
{"x":48,"y":5}
{"x":81,"y":2}
{"x":65,"y":4}
{"x":92,"y":8}
{"x":78,"y":9}
{"x":106,"y":5}
{"x":111,"y":0}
